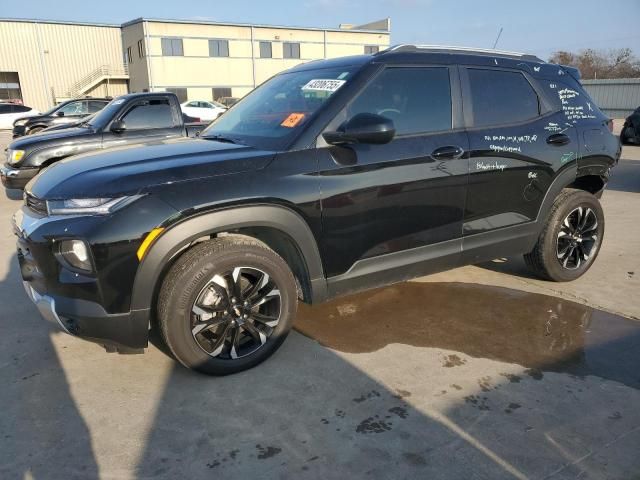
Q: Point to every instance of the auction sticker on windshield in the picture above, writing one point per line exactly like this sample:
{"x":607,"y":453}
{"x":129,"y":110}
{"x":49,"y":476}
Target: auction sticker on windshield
{"x":324,"y":85}
{"x":292,"y":120}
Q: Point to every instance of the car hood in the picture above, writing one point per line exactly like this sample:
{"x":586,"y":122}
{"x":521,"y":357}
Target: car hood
{"x":35,"y":118}
{"x":46,"y":136}
{"x":135,"y":169}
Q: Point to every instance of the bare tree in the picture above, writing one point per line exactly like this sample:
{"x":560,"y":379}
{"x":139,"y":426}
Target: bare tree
{"x":618,"y":63}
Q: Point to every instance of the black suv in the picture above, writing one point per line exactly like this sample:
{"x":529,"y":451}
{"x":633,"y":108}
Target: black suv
{"x":71,"y":111}
{"x":332,"y":177}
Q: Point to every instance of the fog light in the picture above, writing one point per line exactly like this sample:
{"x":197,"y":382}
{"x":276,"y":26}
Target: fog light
{"x":76,"y":254}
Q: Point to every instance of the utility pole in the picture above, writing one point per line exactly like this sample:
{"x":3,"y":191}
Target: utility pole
{"x":497,"y":38}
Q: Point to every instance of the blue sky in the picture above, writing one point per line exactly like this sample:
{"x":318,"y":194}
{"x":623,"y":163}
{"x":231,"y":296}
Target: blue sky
{"x":539,"y":27}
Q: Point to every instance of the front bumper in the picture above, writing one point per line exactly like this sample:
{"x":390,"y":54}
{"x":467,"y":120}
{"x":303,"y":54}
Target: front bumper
{"x":19,"y":131}
{"x":58,"y":294}
{"x":16,"y":177}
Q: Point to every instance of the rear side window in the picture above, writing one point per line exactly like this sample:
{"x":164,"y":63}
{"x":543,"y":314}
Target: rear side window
{"x":154,"y":113}
{"x":418,"y":100}
{"x":500,"y":97}
{"x":5,"y":108}
{"x":20,"y":108}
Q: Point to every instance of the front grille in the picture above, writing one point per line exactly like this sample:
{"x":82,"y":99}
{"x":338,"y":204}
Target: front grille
{"x":35,"y":204}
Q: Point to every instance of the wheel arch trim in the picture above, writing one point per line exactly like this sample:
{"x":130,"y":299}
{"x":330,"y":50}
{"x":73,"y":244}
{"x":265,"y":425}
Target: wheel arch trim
{"x":175,"y":238}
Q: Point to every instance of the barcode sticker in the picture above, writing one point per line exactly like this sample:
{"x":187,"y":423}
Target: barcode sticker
{"x":324,"y":85}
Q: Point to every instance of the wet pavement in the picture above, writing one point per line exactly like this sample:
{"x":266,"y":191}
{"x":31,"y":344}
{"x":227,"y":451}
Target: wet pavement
{"x":541,"y":332}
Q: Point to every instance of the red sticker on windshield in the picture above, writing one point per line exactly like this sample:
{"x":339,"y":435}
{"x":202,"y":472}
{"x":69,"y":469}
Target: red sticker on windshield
{"x":292,"y":120}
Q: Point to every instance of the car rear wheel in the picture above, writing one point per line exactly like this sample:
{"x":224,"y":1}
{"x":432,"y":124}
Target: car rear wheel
{"x":571,"y":239}
{"x":227,"y":305}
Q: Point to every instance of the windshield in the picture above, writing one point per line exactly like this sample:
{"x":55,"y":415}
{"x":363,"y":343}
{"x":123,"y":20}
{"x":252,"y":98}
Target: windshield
{"x":274,"y":113}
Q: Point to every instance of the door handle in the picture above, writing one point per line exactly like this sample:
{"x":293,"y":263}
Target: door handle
{"x":450,"y":152}
{"x":558,"y":139}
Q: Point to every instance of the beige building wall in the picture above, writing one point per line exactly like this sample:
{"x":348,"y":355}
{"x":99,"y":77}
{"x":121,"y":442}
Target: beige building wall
{"x":50,"y":56}
{"x":199,"y":73}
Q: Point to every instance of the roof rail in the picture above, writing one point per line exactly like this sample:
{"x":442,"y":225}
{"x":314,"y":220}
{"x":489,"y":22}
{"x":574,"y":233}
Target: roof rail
{"x":456,"y":49}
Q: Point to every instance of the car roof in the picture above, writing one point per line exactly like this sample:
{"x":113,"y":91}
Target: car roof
{"x":429,"y":54}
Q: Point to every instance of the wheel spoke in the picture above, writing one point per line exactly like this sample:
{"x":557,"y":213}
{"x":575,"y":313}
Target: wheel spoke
{"x":202,"y":327}
{"x":218,"y":345}
{"x":563,"y":252}
{"x":256,"y":286}
{"x":269,"y":321}
{"x":264,"y":295}
{"x":235,"y":342}
{"x":232,"y":280}
{"x":566,"y":259}
{"x":257,"y":335}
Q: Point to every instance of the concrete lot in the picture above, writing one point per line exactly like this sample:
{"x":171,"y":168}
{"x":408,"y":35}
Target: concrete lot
{"x":480,"y":372}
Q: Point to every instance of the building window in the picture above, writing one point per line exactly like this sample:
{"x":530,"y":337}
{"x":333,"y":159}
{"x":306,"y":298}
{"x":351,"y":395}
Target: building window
{"x":141,"y":48}
{"x":219,"y":92}
{"x":371,"y":49}
{"x":10,"y":87}
{"x":218,"y":48}
{"x":265,"y":50}
{"x":129,"y":56}
{"x":290,"y":50}
{"x":181,"y":93}
{"x":172,"y":47}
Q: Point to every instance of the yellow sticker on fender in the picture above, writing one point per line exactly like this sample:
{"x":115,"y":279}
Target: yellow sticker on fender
{"x":292,"y":120}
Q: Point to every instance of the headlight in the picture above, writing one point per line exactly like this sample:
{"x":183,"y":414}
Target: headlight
{"x":19,"y":123}
{"x":75,"y":253}
{"x":14,"y":156}
{"x":88,"y":206}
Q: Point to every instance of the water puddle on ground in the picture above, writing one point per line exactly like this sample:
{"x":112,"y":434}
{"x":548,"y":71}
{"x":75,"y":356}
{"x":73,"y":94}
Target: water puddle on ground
{"x":536,"y":331}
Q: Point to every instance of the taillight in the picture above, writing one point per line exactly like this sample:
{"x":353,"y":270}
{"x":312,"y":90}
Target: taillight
{"x":610,"y":125}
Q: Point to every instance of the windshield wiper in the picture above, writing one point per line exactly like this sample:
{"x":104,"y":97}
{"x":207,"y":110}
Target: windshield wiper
{"x":222,"y":138}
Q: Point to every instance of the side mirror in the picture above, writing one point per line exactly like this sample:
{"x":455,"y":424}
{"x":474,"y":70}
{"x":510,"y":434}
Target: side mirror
{"x":60,"y":113}
{"x":363,"y":128}
{"x":118,"y":126}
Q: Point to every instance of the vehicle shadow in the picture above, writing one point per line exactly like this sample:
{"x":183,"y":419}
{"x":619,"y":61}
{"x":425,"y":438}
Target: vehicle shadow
{"x":43,"y":435}
{"x":405,"y":388}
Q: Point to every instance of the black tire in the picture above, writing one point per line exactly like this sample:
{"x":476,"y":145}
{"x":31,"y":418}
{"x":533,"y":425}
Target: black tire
{"x":559,"y":255}
{"x":626,"y":135}
{"x":193,"y":278}
{"x":35,"y":130}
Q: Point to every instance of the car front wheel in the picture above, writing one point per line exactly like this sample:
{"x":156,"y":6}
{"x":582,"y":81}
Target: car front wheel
{"x":227,"y":305}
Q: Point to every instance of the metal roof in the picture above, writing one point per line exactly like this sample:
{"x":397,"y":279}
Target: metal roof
{"x":257,"y":25}
{"x":60,"y":22}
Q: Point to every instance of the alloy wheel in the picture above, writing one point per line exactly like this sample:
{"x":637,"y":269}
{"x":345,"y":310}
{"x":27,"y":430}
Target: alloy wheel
{"x":577,"y":238}
{"x":235,"y":313}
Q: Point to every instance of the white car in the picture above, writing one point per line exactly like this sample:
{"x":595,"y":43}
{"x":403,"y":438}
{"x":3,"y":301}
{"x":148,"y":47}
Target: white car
{"x":204,"y":110}
{"x":10,"y":112}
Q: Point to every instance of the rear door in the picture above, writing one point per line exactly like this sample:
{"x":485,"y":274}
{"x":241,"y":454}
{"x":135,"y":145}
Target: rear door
{"x":517,"y":144}
{"x":395,"y":198}
{"x":146,"y":120}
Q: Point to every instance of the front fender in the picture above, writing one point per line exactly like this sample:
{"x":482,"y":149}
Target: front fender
{"x":177,"y":237}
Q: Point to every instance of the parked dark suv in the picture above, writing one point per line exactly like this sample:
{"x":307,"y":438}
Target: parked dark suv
{"x":335,"y":176}
{"x":71,"y":111}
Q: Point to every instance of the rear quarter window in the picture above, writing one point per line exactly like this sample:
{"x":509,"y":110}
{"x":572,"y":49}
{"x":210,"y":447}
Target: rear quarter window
{"x":501,"y":97}
{"x":572,"y":100}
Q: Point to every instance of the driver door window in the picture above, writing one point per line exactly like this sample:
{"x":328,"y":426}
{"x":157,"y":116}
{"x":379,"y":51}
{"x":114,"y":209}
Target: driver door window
{"x":418,"y":100}
{"x":149,"y":114}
